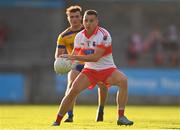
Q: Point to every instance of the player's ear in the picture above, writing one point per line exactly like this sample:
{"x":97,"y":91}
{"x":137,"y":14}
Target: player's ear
{"x":68,"y":18}
{"x":97,"y":22}
{"x":81,"y":17}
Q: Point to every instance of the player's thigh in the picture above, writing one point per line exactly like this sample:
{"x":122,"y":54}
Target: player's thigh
{"x":80,"y":83}
{"x":116,"y":77}
{"x":102,"y":87}
{"x":72,"y":75}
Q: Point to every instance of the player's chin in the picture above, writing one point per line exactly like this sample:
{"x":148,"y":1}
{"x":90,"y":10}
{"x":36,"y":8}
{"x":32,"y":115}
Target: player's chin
{"x":76,"y":23}
{"x":87,"y":28}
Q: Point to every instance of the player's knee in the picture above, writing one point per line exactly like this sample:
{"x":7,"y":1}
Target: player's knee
{"x":123,"y":82}
{"x":125,"y":79}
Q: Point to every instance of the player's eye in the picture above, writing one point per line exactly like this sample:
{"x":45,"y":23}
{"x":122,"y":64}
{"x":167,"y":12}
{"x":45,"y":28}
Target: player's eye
{"x":77,"y":16}
{"x":90,"y":20}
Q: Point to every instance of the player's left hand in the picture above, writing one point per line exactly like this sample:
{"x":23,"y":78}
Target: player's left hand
{"x":64,"y":56}
{"x":69,"y":57}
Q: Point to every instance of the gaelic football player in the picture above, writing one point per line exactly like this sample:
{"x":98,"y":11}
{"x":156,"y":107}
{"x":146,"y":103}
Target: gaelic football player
{"x":65,"y":42}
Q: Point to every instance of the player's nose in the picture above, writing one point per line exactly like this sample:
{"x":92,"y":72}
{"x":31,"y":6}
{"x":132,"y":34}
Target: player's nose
{"x":88,"y":23}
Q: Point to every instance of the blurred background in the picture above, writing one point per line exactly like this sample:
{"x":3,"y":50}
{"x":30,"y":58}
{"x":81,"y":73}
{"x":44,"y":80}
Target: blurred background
{"x":146,"y":43}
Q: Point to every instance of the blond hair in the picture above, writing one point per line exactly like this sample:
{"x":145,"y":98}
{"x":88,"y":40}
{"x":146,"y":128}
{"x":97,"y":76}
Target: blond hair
{"x":74,"y":8}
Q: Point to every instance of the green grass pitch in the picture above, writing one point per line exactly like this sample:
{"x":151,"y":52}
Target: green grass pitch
{"x":40,"y":117}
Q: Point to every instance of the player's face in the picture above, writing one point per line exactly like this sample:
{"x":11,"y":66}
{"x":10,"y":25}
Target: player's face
{"x":90,"y":22}
{"x":74,"y":18}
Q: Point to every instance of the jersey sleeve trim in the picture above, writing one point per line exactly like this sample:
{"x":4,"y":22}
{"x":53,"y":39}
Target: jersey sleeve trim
{"x":108,"y":49}
{"x":101,"y":46}
{"x":77,"y":49}
{"x":61,"y":46}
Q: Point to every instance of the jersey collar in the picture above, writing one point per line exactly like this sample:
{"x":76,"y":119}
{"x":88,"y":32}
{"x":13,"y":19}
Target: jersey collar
{"x":94,"y":32}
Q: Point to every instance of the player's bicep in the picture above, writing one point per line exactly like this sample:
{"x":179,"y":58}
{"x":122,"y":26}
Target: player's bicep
{"x":77,"y":46}
{"x":61,"y":47}
{"x":59,"y":51}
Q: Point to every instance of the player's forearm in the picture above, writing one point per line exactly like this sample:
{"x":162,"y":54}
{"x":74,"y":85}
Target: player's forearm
{"x":59,"y":52}
{"x":74,"y":52}
{"x":87,"y":58}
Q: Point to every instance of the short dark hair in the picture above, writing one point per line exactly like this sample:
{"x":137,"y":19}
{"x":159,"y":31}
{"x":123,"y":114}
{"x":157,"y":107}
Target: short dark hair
{"x":73,"y":9}
{"x":91,"y":12}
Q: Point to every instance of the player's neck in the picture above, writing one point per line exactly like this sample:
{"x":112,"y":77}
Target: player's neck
{"x":91,"y":31}
{"x":76,"y":28}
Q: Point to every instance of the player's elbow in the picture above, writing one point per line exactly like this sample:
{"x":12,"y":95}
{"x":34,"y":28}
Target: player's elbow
{"x":96,"y":58}
{"x":56,"y":56}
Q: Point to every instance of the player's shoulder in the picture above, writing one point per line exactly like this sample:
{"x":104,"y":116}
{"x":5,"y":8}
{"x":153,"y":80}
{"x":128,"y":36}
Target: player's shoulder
{"x":80,"y":33}
{"x":103,"y":31}
{"x":65,"y":32}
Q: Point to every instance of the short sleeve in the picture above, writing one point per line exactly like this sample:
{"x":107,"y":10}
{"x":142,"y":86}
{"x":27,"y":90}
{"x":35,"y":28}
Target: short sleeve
{"x":76,"y":41}
{"x":104,"y":39}
{"x":60,"y":42}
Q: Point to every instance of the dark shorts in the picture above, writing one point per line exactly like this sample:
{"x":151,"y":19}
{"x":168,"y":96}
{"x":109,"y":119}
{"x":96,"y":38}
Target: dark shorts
{"x":79,"y":67}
